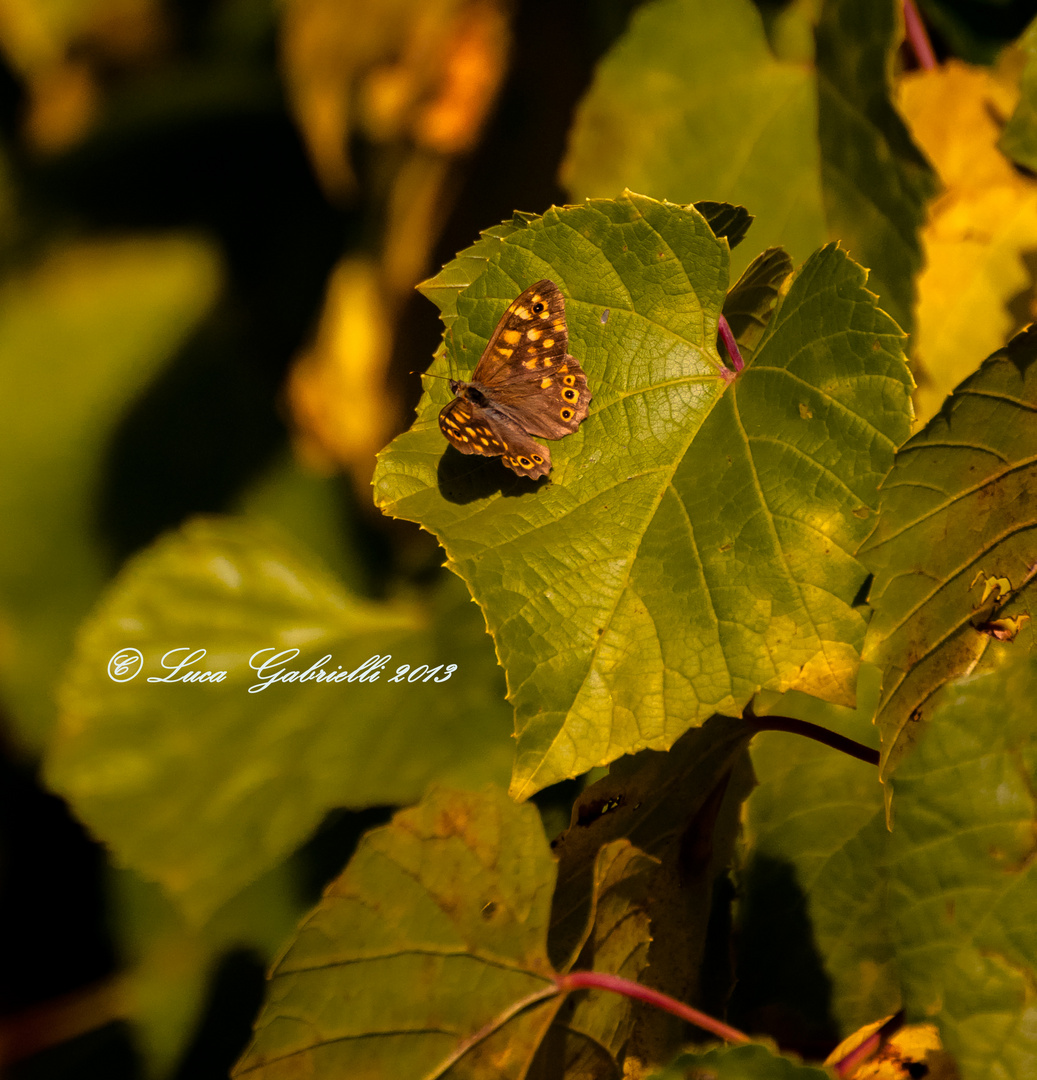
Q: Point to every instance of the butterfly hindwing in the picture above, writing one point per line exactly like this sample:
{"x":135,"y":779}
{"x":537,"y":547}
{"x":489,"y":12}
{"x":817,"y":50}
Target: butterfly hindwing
{"x":476,"y":430}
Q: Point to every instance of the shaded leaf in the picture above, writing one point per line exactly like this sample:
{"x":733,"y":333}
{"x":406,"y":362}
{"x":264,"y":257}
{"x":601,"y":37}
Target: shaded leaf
{"x":591,"y":1029}
{"x":694,"y":545}
{"x":204,"y":785}
{"x":168,"y":966}
{"x":692,"y":101}
{"x":752,"y":1061}
{"x":963,"y":899}
{"x":959,"y":506}
{"x":815,"y":835}
{"x":647,"y":799}
{"x":875,"y":180}
{"x":436,"y":927}
{"x":727,"y":222}
{"x":1019,"y":138}
{"x":754,"y":296}
{"x":81,"y":333}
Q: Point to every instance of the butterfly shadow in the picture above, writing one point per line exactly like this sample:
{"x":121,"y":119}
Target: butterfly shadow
{"x":465,"y":478}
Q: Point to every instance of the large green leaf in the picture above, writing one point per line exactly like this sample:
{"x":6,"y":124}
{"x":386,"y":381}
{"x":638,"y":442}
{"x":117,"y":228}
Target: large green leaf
{"x":81,"y":332}
{"x":694,"y":544}
{"x":435,"y":929}
{"x":963,"y":894}
{"x":694,"y":102}
{"x":691,"y":103}
{"x":202,"y":786}
{"x":876,"y":182}
{"x":955,"y":545}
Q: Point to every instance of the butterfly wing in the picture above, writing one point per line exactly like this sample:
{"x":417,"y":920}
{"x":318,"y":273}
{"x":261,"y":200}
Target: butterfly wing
{"x":473,"y":429}
{"x":526,"y":369}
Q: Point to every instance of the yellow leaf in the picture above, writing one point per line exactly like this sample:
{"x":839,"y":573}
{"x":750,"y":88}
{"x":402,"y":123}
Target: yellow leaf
{"x":421,"y":71}
{"x":977,"y":289}
{"x":336,"y":391}
{"x":914,"y":1050}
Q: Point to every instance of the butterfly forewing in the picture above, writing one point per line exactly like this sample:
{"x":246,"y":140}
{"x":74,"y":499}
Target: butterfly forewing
{"x":525,"y":384}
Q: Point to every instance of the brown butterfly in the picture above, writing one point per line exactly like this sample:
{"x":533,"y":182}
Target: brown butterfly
{"x":524,"y":384}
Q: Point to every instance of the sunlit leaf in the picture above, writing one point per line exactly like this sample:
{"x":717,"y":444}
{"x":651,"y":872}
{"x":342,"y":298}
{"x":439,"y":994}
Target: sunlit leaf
{"x":977,"y":288}
{"x":337,"y":389}
{"x":693,"y":545}
{"x":910,"y":1051}
{"x":690,"y":103}
{"x":204,"y":785}
{"x":421,"y":72}
{"x":958,"y":509}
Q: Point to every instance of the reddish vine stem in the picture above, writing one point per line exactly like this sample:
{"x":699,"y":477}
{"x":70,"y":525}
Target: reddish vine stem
{"x":917,"y":38}
{"x":599,"y":980}
{"x":818,"y":734}
{"x":728,"y":338}
{"x":592,"y":980}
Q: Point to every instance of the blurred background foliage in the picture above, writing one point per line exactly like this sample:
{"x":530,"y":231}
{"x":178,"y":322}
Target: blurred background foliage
{"x":213,"y":214}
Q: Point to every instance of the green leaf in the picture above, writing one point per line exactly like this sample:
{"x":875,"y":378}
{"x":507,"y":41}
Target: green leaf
{"x":1019,"y":139}
{"x":167,"y":966}
{"x":81,"y":333}
{"x":963,"y":893}
{"x":954,"y":545}
{"x":752,"y":299}
{"x":591,"y":1030}
{"x":648,"y":799}
{"x":750,"y":1062}
{"x":694,"y":544}
{"x":876,"y":182}
{"x":815,"y":842}
{"x":692,"y":103}
{"x":202,"y":786}
{"x":435,"y":929}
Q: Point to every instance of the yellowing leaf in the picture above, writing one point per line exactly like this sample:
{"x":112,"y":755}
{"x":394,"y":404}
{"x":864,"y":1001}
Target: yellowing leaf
{"x":417,"y":71}
{"x":979,"y":230}
{"x":337,"y":388}
{"x":912,"y":1051}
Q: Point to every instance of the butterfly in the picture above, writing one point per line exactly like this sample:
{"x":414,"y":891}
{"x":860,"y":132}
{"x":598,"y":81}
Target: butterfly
{"x":525,"y":384}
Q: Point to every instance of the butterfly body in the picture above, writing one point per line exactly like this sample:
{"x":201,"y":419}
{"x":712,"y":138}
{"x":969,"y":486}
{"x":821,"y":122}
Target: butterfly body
{"x":525,"y":384}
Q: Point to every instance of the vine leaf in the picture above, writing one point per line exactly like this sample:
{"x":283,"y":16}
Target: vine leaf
{"x":436,"y":927}
{"x":204,"y":786}
{"x":954,"y":548}
{"x":693,"y":545}
{"x":962,"y":889}
{"x":704,"y":99}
